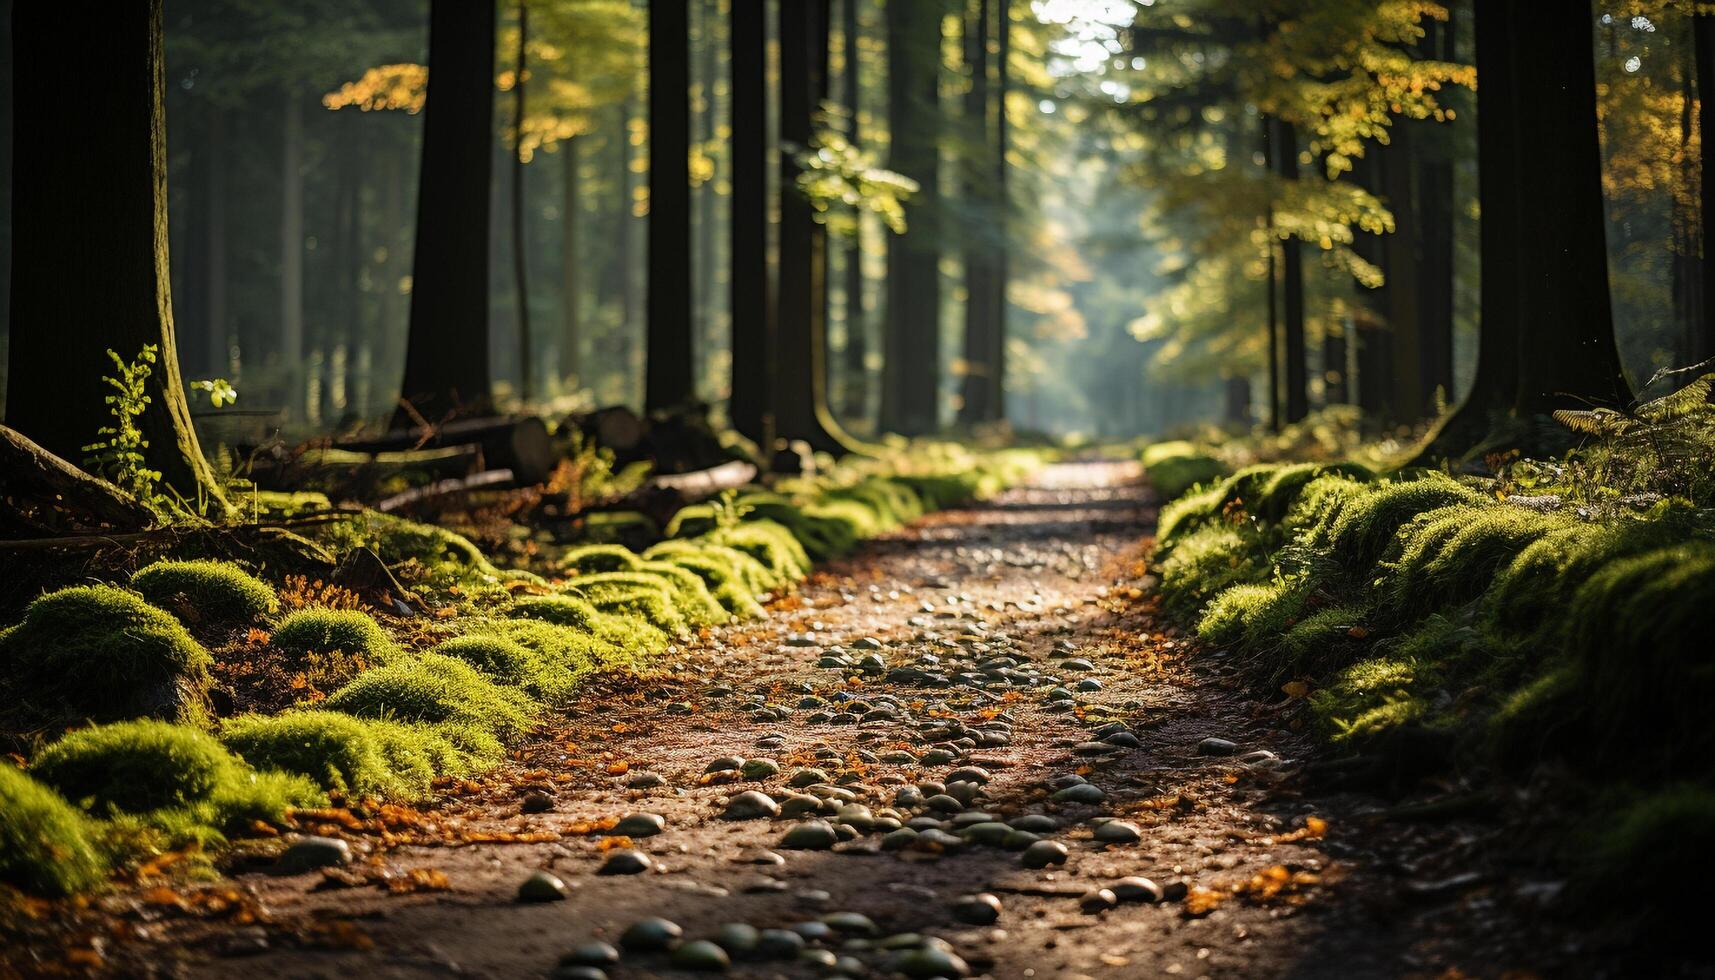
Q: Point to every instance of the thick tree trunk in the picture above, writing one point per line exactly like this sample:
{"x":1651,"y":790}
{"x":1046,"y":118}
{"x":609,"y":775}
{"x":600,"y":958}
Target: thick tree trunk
{"x":1293,"y":349}
{"x":668,"y":381}
{"x":855,"y":404}
{"x":1273,"y":300}
{"x":1435,"y":207}
{"x":1002,"y":266}
{"x":42,"y":494}
{"x":750,"y":406}
{"x":96,"y":213}
{"x":571,"y":273}
{"x":1702,"y":344}
{"x":910,"y":393}
{"x":800,"y":402}
{"x":1403,"y":262}
{"x":976,"y":402}
{"x":446,"y":349}
{"x":292,"y":253}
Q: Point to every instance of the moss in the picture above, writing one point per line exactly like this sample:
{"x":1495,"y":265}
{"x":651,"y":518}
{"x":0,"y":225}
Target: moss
{"x":1657,"y":849}
{"x":891,"y":502}
{"x":1210,"y":561}
{"x":821,"y":534}
{"x":1532,"y":590}
{"x":691,"y":594}
{"x":592,"y":558}
{"x":432,"y":689}
{"x":726,"y":584}
{"x":1449,"y":556}
{"x":1229,"y":616}
{"x":629,"y":634}
{"x":1278,"y":494}
{"x":770,"y":544}
{"x":325,"y":631}
{"x":360,"y":757}
{"x":1373,"y":696}
{"x":649,"y":598}
{"x":1187,"y":514}
{"x":1176,"y":467}
{"x":1318,"y":507}
{"x":1367,"y":524}
{"x":103,"y":654}
{"x":46,"y":845}
{"x":510,"y":664}
{"x":563,"y":650}
{"x":206,"y":591}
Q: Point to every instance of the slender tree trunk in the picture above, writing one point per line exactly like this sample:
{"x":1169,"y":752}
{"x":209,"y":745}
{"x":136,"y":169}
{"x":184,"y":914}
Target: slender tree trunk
{"x":1404,"y":261}
{"x":520,"y":223}
{"x":668,"y":381}
{"x":1293,"y":348}
{"x":292,"y":253}
{"x":446,"y":348}
{"x":1335,"y":388}
{"x":703,"y":260}
{"x":856,"y":360}
{"x":910,"y":393}
{"x":1001,"y":270}
{"x":975,"y":407}
{"x":801,"y":369}
{"x":571,"y":274}
{"x":1435,"y":219}
{"x":1703,"y":32}
{"x":217,"y":329}
{"x":356,"y":336}
{"x":750,"y":406}
{"x":96,"y":213}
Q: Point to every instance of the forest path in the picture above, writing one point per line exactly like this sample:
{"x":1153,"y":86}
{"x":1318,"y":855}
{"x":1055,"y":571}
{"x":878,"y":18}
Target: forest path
{"x":1050,"y":574}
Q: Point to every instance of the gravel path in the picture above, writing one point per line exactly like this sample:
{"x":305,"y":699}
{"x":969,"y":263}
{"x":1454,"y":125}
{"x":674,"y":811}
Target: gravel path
{"x":1003,"y":660}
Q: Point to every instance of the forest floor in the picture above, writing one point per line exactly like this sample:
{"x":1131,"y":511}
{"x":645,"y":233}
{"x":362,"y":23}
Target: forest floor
{"x":1264,"y":874}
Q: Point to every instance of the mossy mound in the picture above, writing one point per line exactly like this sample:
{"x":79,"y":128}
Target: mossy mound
{"x":647,"y":597}
{"x":633,"y":636}
{"x":47,"y":846}
{"x":214,"y":592}
{"x":1209,"y":561}
{"x":691,"y":595}
{"x":510,"y":664}
{"x":1175,"y":467}
{"x":893,"y":503}
{"x":103,"y":654}
{"x":719,"y":577}
{"x":592,"y":558}
{"x":752,"y":574}
{"x":1367,"y":524}
{"x":433,"y":689}
{"x":168,"y":778}
{"x":326,"y":631}
{"x":1450,"y":556}
{"x":355,"y":757}
{"x":770,"y":544}
{"x":567,"y":650}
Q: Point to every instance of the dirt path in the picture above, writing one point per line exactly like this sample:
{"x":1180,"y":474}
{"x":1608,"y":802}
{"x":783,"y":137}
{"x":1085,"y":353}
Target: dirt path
{"x":1049,"y":576}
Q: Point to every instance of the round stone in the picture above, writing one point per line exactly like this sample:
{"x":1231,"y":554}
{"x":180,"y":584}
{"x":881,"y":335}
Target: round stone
{"x":1137,"y":890}
{"x":978,"y":910}
{"x":738,"y":938}
{"x":701,"y":955}
{"x":1125,"y":740}
{"x":650,"y":935}
{"x":310,"y":853}
{"x":812,"y":930}
{"x":811,"y":835}
{"x":536,"y":802}
{"x":799,"y":804}
{"x":991,"y":834}
{"x":759,"y":769}
{"x":1216,"y":746}
{"x":1118,"y":832}
{"x":899,"y":839}
{"x":1086,"y":793}
{"x":969,"y":774}
{"x":932,"y":961}
{"x":1018,"y":840}
{"x":543,"y":887}
{"x":640,"y":825}
{"x":646,"y":780}
{"x":593,"y":953}
{"x":751,"y":805}
{"x":944,"y":803}
{"x":726,"y":763}
{"x":626,"y":862}
{"x":1043,"y":853}
{"x":851,"y":923}
{"x":1098,"y":900}
{"x":778,"y":944}
{"x":808,"y":777}
{"x":575,"y":972}
{"x":1036,"y":823}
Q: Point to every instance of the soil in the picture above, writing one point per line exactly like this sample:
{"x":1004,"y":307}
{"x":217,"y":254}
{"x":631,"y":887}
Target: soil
{"x":1266,"y":875}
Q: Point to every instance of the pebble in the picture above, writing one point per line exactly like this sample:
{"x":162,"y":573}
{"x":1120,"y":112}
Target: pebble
{"x":1036,"y":823}
{"x":851,"y":923}
{"x":726,"y":763}
{"x":310,"y":853}
{"x":969,"y":774}
{"x":649,"y":935}
{"x":536,"y":802}
{"x":646,"y":780}
{"x":1098,"y":900}
{"x":542,"y":886}
{"x":807,"y":777}
{"x":1118,"y":832}
{"x":757,"y":769}
{"x":751,"y":805}
{"x":1043,"y":853}
{"x":578,"y":973}
{"x":932,"y":961}
{"x":1081,"y":793}
{"x":639,"y":825}
{"x":701,"y":955}
{"x":811,"y":835}
{"x":978,"y":910}
{"x":1216,"y":746}
{"x":593,"y":953}
{"x":1137,"y":890}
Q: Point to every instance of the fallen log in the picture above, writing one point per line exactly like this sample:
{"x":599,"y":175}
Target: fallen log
{"x":519,"y":444}
{"x":487,"y":479}
{"x":41,"y":494}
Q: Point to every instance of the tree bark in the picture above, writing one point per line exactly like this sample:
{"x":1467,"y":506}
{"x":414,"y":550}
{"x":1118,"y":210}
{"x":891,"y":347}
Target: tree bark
{"x":668,"y":381}
{"x":1403,"y":262}
{"x":1273,"y":298}
{"x":292,"y":253}
{"x":217,"y":328}
{"x":96,"y":213}
{"x":975,"y":404}
{"x":446,"y":348}
{"x":571,"y":274}
{"x":1001,"y":271}
{"x":520,"y":226}
{"x":1293,"y":348}
{"x":856,"y":354}
{"x":1435,"y":215}
{"x":750,"y":405}
{"x":800,"y":395}
{"x":1702,"y":346}
{"x":910,"y":393}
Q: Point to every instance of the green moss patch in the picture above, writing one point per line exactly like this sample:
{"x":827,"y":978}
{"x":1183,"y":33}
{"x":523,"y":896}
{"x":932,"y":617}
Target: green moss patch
{"x":592,"y":558}
{"x":203,"y":591}
{"x":434,"y":689}
{"x":357,"y":757}
{"x":326,"y":631}
{"x":47,"y":846}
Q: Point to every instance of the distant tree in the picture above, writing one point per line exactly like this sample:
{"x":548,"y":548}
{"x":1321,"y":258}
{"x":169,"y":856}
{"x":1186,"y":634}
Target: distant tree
{"x":90,"y":203}
{"x":976,"y":404}
{"x":856,"y":352}
{"x":446,"y":352}
{"x":669,"y":365}
{"x":750,"y":406}
{"x":911,"y":376}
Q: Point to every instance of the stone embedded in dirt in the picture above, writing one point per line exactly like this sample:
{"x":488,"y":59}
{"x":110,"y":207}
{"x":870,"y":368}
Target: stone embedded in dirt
{"x":1018,"y":840}
{"x":799,"y":804}
{"x":820,"y":958}
{"x":751,"y":805}
{"x":899,"y":839}
{"x":1136,"y":890}
{"x":808,"y":777}
{"x":726,"y":763}
{"x":625,"y":862}
{"x":1086,"y":793}
{"x":1175,"y":891}
{"x":971,"y":818}
{"x":1125,"y":740}
{"x":932,"y":961}
{"x":939,"y":757}
{"x":965,"y":793}
{"x":1043,"y":853}
{"x":989,"y":834}
{"x":834,"y":662}
{"x":969,"y":774}
{"x":908,"y":797}
{"x":592,"y":953}
{"x":1088,"y":684}
{"x":1036,"y":823}
{"x":938,"y":840}
{"x":778,"y":944}
{"x":851,"y":923}
{"x":640,"y":825}
{"x":759,"y":769}
{"x":1118,"y":832}
{"x":812,"y":930}
{"x":650,"y":935}
{"x":536,"y":802}
{"x":310,"y":853}
{"x":738,"y":938}
{"x":811,"y":835}
{"x":866,"y":643}
{"x":763,"y":886}
{"x":944,"y":803}
{"x":577,"y":973}
{"x":1216,"y":746}
{"x":1098,"y":900}
{"x":646,"y":780}
{"x":1077,"y":664}
{"x":802,"y":640}
{"x":857,"y":816}
{"x":542,"y":886}
{"x":978,"y":910}
{"x":702,"y":956}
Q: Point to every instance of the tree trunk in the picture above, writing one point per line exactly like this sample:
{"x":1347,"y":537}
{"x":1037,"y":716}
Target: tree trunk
{"x":800,"y":396}
{"x":910,"y":393}
{"x":446,"y":348}
{"x":520,"y":226}
{"x":975,"y":405}
{"x":96,"y":213}
{"x":571,"y":275}
{"x":1435,"y":207}
{"x":1272,"y":284}
{"x":292,"y":254}
{"x":1403,"y":262}
{"x":856,"y":360}
{"x":1703,"y":32}
{"x":1293,"y":349}
{"x":668,"y":381}
{"x":750,"y":405}
{"x":1000,"y":271}
{"x":217,"y":329}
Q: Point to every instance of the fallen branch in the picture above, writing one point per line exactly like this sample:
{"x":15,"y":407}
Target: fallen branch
{"x":443,"y":488}
{"x":95,"y":540}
